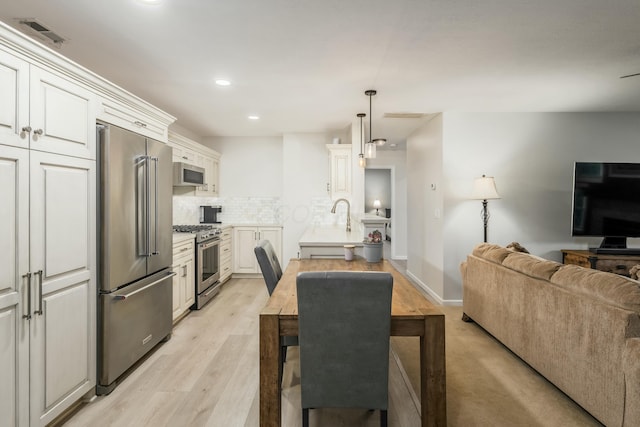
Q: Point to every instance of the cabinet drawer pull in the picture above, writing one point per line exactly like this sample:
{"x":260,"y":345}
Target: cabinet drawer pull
{"x":140,"y":124}
{"x":185,"y":249}
{"x":38,"y":132}
{"x":26,"y":129}
{"x":28,"y":277}
{"x":621,"y":267}
{"x":39,"y":310}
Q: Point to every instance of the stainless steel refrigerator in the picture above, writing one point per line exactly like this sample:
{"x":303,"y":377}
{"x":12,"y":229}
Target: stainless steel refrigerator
{"x":135,"y":250}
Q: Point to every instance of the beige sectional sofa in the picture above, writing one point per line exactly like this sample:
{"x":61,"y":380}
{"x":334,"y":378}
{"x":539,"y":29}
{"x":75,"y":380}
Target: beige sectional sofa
{"x":578,"y":327}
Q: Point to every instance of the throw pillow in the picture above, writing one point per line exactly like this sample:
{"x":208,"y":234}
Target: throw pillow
{"x":517,"y":247}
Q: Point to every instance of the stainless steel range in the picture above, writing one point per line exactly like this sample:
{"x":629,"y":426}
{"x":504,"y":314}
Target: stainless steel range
{"x":207,"y":261}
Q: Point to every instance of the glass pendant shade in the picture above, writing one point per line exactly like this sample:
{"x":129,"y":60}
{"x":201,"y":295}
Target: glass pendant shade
{"x":362,"y":162}
{"x":370,"y":150}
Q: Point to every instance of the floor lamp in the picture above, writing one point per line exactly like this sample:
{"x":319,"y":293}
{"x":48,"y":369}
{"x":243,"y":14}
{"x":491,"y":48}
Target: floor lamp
{"x":484,"y":189}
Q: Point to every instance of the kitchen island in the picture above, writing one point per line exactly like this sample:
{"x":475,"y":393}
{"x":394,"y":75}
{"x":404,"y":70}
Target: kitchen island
{"x":327,"y":241}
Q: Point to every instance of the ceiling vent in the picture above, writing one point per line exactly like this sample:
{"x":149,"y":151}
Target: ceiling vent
{"x":404,"y":115}
{"x":41,"y":32}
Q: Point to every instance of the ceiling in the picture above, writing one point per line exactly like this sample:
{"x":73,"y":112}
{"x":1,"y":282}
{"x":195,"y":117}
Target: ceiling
{"x":303,"y":65}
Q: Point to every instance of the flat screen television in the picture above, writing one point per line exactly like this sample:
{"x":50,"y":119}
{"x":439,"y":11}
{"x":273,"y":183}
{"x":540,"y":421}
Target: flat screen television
{"x":606,"y":203}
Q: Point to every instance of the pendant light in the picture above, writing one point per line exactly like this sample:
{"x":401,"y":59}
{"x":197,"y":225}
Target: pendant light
{"x":362,"y":162}
{"x":370,"y":148}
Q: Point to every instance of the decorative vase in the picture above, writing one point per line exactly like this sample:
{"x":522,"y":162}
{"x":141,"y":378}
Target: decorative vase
{"x":373,"y":251}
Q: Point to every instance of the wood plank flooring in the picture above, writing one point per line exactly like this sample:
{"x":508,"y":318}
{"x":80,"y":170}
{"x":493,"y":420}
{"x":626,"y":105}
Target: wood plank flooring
{"x":207,"y":375}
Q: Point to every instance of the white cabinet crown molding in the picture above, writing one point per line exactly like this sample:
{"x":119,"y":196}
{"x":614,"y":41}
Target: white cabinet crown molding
{"x":189,"y":143}
{"x":41,"y":55}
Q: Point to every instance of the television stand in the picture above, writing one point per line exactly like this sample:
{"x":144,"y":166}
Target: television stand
{"x":617,"y":263}
{"x":615,"y":251}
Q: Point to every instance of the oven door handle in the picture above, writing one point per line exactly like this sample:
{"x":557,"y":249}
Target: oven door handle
{"x":207,"y":245}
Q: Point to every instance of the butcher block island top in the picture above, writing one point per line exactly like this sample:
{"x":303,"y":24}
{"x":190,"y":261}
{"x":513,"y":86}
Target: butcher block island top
{"x":411,"y":315}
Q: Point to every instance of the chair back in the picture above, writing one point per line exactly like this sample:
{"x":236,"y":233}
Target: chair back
{"x":344,"y":328}
{"x":269,"y":264}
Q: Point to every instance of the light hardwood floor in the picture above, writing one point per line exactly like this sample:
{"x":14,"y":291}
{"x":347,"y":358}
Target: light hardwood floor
{"x":207,"y":375}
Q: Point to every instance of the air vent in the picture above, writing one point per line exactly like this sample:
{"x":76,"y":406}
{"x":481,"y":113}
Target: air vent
{"x":41,"y":32}
{"x":404,"y":115}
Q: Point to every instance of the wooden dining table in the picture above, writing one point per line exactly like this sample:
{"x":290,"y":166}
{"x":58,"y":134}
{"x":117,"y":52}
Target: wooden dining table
{"x":411,"y":315}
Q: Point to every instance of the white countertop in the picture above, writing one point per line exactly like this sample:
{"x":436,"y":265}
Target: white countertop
{"x":330,"y":235}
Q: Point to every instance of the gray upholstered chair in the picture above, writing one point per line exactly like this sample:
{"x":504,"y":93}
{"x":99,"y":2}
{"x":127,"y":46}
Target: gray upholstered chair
{"x":272,"y":272}
{"x":344,"y":327}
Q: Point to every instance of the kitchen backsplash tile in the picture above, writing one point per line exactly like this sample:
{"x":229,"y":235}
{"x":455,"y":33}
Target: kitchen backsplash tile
{"x":235,"y":210}
{"x":258,"y":210}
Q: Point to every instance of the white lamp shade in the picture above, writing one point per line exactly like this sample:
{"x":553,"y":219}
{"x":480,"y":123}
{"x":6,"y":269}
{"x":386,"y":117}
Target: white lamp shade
{"x":484,"y":188}
{"x":377,"y":204}
{"x":362,"y":162}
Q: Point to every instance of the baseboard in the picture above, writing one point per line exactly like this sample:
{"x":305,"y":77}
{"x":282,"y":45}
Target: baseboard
{"x":430,"y":293}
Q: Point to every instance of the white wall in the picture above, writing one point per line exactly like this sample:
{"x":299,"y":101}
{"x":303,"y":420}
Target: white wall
{"x":424,"y":206}
{"x":396,"y":161}
{"x":304,"y":186}
{"x":531,"y":156}
{"x":249,"y":166}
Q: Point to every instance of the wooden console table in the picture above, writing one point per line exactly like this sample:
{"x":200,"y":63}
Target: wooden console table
{"x":618,"y":264}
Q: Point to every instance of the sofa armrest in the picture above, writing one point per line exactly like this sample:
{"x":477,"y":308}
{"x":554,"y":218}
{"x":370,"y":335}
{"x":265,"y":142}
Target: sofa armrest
{"x":631,"y":366}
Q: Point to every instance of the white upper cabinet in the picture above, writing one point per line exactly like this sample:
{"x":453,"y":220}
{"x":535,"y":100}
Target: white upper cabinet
{"x":126,"y":117}
{"x":45,"y":112}
{"x":62,"y":116}
{"x":340,"y":171}
{"x":14,"y":102}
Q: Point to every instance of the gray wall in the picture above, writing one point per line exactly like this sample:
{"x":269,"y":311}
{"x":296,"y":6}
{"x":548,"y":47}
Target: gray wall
{"x":531,"y":156}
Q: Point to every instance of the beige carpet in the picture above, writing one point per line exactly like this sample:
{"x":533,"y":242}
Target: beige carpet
{"x":487,"y":385}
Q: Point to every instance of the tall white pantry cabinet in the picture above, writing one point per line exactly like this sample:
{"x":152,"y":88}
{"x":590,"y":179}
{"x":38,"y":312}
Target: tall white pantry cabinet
{"x":47,"y":231}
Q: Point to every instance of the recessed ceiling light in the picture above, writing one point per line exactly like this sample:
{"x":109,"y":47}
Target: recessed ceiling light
{"x":252,"y":117}
{"x":223,"y":82}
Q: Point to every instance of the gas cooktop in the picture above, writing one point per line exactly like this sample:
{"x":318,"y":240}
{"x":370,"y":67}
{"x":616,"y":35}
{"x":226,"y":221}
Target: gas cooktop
{"x":202,"y":231}
{"x":192,"y":228}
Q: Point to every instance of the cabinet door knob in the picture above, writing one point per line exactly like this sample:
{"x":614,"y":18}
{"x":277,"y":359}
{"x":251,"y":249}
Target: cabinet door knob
{"x":26,"y":129}
{"x":38,"y":132}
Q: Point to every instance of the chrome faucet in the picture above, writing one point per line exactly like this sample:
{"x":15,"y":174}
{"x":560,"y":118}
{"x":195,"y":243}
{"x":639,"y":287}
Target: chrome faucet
{"x":333,"y":210}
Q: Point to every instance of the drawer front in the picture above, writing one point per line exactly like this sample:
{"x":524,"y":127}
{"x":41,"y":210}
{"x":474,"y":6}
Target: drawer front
{"x":225,"y":270}
{"x":185,"y":248}
{"x":617,"y":266}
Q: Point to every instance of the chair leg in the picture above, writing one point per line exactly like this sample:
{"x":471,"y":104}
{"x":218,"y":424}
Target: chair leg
{"x":383,"y":418}
{"x":305,"y":417}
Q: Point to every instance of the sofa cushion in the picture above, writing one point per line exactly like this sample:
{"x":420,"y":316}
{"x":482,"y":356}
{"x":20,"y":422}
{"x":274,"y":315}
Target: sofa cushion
{"x":611,"y":288}
{"x":491,"y":252}
{"x":531,"y":265}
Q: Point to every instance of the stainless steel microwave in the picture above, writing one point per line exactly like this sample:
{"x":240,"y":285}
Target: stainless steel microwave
{"x":187,"y":175}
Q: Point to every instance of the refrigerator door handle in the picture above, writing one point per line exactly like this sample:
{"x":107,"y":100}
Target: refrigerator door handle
{"x":130,"y":294}
{"x":142,"y":225}
{"x":155,"y":207}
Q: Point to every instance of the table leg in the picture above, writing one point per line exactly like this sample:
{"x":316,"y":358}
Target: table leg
{"x":432,"y":372}
{"x":270,"y":397}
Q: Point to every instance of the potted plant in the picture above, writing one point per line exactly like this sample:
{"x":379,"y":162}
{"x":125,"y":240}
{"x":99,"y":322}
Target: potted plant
{"x":373,"y":246}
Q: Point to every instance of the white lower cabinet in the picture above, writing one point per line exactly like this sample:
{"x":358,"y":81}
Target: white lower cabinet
{"x":245,"y":240}
{"x":47,"y":284}
{"x":184,"y":285}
